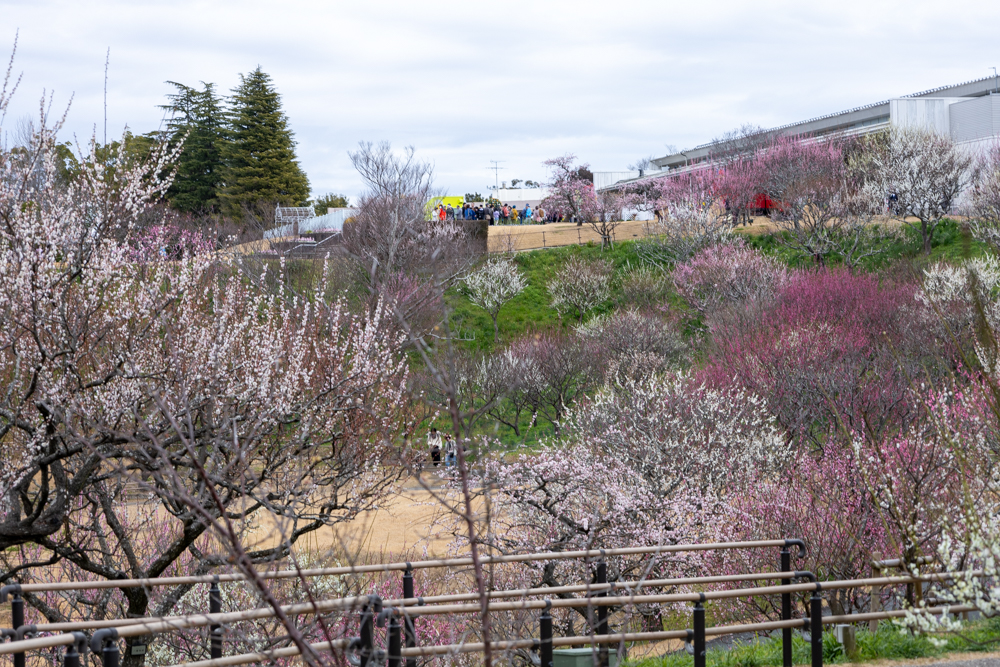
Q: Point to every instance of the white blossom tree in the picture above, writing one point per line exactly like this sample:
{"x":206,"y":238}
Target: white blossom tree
{"x":221,"y":400}
{"x":496,"y":282}
{"x":923,"y":174}
{"x":985,"y":198}
{"x":581,"y":285}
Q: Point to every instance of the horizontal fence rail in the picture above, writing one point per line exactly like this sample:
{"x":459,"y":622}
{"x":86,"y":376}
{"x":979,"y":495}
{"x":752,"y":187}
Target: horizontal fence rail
{"x":399,"y":566}
{"x":188,"y":621}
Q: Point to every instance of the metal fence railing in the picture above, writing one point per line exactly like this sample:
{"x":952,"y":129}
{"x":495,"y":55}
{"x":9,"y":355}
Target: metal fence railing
{"x":401,"y":615}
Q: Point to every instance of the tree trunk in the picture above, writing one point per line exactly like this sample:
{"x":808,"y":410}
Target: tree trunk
{"x":135,"y":651}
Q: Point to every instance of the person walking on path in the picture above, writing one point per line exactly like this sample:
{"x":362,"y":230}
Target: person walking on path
{"x":441,"y":213}
{"x":434,"y":445}
{"x":527,"y":214}
{"x":450,"y":451}
{"x":496,"y":217}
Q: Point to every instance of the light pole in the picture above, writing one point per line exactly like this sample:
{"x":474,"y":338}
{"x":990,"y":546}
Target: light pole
{"x":994,"y":79}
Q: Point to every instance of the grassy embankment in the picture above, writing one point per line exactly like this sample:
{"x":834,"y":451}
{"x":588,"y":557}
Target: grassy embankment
{"x":531,"y":312}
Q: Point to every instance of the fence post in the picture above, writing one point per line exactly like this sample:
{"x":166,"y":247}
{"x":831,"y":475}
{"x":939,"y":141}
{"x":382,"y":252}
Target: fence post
{"x":371,"y":608}
{"x":367,"y":633}
{"x":105,"y":642}
{"x":215,"y":631}
{"x":73,"y":651}
{"x":409,"y":629}
{"x":545,"y":635}
{"x":699,"y":632}
{"x":543,"y":239}
{"x":602,"y":610}
{"x":876,"y":605}
{"x":395,"y":639}
{"x":16,"y":614}
{"x":786,"y":609}
{"x":816,"y":626}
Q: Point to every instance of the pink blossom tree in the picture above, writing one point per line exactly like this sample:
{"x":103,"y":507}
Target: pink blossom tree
{"x":832,"y":347}
{"x":806,"y":178}
{"x":693,"y":216}
{"x":729,"y":275}
{"x":571,"y":193}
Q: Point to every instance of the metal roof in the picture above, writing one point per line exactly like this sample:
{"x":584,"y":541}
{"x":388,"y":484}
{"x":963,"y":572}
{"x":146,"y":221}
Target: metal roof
{"x":973,"y":88}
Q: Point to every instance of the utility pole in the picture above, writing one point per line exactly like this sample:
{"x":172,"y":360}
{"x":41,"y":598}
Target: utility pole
{"x":496,"y":170}
{"x":994,"y":79}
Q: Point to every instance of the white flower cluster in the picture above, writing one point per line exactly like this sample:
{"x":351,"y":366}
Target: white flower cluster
{"x":957,"y":295}
{"x":672,"y":430}
{"x":494,"y":283}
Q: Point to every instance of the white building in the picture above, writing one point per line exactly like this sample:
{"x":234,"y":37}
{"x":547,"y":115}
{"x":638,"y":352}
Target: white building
{"x":967,"y":112}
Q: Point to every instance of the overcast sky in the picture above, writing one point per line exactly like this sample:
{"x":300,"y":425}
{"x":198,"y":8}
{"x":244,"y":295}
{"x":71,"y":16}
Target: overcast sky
{"x":518,"y":81}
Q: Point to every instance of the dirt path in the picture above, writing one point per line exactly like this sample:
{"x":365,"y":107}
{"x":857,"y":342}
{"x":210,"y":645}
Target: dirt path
{"x":402,"y":525}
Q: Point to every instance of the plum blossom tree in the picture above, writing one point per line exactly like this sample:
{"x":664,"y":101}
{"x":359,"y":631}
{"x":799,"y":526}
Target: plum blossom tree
{"x":496,"y":282}
{"x":833,"y":348}
{"x":693,"y":217}
{"x":923,"y":173}
{"x":563,"y":370}
{"x":600,"y":487}
{"x":609,"y":212}
{"x":635,"y":344}
{"x":581,"y":285}
{"x":984,"y":204}
{"x":124,"y":368}
{"x":670,"y":429}
{"x":729,"y":275}
{"x":806,"y":178}
{"x":509,"y":382}
{"x":571,"y":193}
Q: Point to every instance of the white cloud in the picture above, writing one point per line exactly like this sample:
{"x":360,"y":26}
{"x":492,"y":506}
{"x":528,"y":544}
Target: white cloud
{"x":518,"y":81}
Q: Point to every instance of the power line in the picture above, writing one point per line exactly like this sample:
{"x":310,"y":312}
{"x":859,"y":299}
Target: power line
{"x":496,"y":170}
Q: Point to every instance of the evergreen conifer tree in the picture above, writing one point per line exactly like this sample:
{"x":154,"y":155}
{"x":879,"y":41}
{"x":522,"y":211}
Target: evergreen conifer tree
{"x":260,"y":152}
{"x":197,"y":117}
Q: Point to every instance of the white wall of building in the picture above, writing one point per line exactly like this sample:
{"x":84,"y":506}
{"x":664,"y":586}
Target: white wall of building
{"x":929,"y":113}
{"x":975,"y":119}
{"x":519,"y":197}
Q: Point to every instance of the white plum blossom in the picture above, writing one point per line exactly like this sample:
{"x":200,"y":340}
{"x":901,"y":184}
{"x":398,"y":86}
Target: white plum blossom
{"x":581,"y":285}
{"x":493,"y":284}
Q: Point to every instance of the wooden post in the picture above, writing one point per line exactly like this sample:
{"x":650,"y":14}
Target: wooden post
{"x":876,"y":605}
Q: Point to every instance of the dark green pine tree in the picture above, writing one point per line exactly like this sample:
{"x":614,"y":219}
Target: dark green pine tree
{"x":260,"y":153}
{"x":197,"y":115}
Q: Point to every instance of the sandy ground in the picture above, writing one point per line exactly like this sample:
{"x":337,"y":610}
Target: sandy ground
{"x":402,"y":525}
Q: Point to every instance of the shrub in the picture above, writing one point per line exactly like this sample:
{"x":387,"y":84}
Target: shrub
{"x":635,"y":344}
{"x":726,"y":275}
{"x":581,"y":285}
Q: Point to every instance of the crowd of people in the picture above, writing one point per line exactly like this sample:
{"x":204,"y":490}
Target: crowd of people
{"x":497,"y":214}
